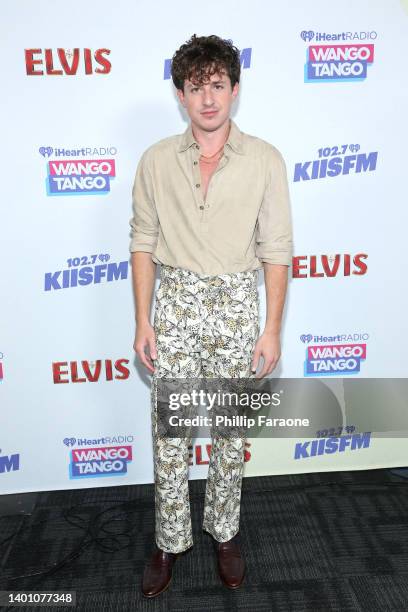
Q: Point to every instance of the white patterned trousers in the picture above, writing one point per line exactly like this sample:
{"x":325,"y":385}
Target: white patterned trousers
{"x":205,"y":326}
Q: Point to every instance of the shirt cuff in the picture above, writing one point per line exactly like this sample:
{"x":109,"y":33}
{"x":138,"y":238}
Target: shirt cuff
{"x":276,"y":253}
{"x":143,"y":242}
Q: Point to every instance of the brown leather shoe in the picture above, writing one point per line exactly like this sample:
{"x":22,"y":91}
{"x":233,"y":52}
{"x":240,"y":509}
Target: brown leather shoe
{"x":157,"y":572}
{"x":231,"y":565}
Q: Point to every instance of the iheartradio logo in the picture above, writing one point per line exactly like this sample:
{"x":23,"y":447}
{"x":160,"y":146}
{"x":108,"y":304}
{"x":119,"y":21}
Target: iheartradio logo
{"x":307,"y":35}
{"x":69,"y":441}
{"x":46,"y":151}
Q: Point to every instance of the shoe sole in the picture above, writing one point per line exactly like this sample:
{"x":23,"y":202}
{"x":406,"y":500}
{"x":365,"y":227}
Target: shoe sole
{"x":159,"y":592}
{"x":237,"y":586}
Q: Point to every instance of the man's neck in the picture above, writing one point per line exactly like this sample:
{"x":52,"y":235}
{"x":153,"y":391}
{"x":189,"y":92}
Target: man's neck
{"x":211,"y":141}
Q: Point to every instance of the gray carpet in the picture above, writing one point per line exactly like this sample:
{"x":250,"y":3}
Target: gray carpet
{"x":318,"y":542}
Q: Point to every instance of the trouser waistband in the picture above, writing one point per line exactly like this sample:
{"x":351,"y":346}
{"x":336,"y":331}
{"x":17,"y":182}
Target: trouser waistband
{"x":189,"y":277}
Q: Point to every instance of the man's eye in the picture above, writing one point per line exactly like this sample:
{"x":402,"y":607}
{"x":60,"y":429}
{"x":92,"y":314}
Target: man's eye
{"x":219,"y":86}
{"x":194,"y":89}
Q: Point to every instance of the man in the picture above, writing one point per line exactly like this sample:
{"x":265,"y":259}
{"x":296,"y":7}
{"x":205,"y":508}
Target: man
{"x":211,"y":207}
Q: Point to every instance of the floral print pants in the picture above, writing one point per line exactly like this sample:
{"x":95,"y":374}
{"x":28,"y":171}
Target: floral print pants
{"x":205,"y":326}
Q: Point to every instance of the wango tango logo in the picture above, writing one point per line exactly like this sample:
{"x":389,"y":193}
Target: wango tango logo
{"x":337,"y":62}
{"x":99,"y":461}
{"x":78,"y":176}
{"x":334,"y":359}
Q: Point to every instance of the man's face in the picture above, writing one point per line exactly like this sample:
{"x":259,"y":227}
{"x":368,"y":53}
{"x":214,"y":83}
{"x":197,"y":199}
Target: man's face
{"x":209,"y":104}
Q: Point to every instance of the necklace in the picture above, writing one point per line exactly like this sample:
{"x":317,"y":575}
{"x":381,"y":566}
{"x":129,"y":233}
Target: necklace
{"x":210,"y":157}
{"x":204,"y":157}
{"x":213,"y":161}
{"x":213,"y":155}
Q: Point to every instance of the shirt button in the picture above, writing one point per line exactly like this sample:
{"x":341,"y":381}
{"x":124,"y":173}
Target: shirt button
{"x":197,"y":185}
{"x":201,"y":207}
{"x":195,"y":163}
{"x":197,"y":147}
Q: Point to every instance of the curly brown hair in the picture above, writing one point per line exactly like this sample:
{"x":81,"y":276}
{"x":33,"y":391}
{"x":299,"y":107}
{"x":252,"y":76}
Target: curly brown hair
{"x":201,"y":57}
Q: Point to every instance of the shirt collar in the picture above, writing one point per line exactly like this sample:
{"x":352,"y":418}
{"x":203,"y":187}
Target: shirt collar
{"x":234,"y":139}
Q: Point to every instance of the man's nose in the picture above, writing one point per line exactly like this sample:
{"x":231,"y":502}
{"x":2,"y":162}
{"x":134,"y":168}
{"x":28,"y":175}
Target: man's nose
{"x":208,"y":99}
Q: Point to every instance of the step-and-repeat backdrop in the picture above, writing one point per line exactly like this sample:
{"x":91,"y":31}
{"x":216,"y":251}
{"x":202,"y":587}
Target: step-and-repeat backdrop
{"x":85,"y":92}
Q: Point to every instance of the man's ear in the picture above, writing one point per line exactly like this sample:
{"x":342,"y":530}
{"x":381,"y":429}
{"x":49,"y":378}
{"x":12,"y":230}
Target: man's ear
{"x":235,"y":90}
{"x":180,"y":95}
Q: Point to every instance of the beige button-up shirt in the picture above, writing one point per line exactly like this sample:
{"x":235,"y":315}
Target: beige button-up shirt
{"x":244,"y":220}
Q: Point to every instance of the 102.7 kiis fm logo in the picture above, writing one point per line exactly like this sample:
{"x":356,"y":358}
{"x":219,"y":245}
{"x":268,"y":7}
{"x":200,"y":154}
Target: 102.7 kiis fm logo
{"x":335,"y":161}
{"x":80,"y":171}
{"x":86,"y":270}
{"x":340,"y":58}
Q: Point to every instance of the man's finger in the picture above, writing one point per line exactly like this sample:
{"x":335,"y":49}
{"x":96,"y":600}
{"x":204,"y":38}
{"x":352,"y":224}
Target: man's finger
{"x":266,"y":366}
{"x":152,"y":348}
{"x":255,"y":360}
{"x":272,"y":366}
{"x":144,"y":358}
{"x":146,"y":361}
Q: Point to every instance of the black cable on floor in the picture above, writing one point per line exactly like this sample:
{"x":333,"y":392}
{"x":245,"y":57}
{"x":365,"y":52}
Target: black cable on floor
{"x":91,"y":536}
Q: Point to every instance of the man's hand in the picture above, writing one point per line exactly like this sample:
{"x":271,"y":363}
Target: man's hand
{"x":267,"y":346}
{"x":143,"y":275}
{"x":145,"y":338}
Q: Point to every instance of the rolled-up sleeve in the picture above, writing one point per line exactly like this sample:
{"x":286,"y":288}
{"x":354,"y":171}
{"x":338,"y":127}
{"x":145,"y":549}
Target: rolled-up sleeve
{"x":144,"y":223}
{"x":274,"y":237}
